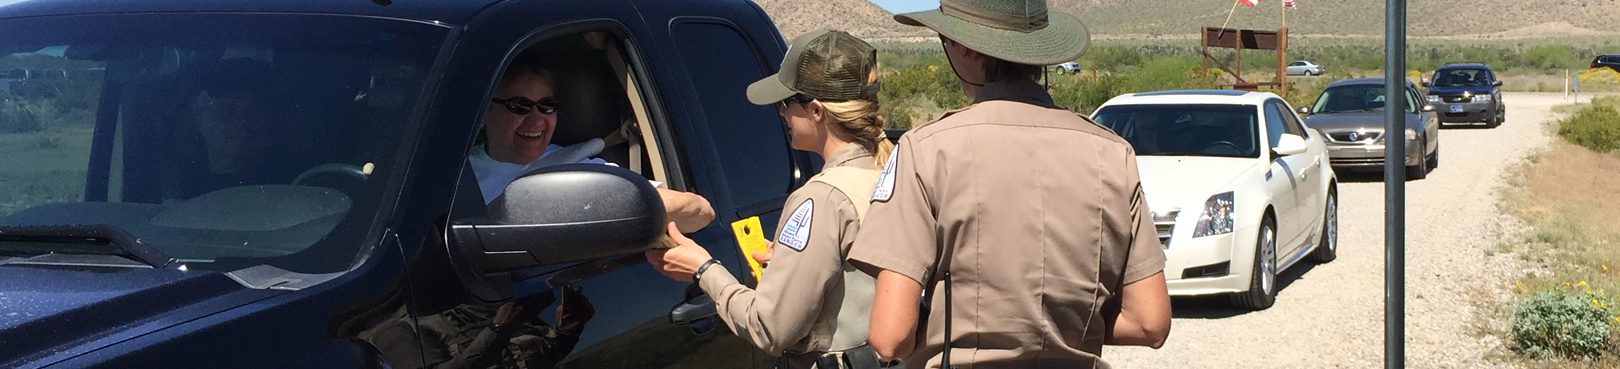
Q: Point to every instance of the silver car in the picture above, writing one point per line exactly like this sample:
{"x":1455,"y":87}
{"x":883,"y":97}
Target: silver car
{"x":1350,"y":114}
{"x":1301,"y":67}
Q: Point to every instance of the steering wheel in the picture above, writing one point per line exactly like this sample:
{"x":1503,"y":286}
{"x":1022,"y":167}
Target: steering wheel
{"x":1235,"y":149}
{"x":347,"y":171}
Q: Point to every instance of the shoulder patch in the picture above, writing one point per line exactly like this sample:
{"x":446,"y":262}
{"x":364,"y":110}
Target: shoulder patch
{"x":796,"y":232}
{"x":885,"y":184}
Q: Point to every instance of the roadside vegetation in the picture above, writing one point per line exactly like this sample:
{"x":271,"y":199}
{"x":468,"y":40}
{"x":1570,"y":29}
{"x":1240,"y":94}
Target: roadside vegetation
{"x":918,"y":85}
{"x":1566,"y":314}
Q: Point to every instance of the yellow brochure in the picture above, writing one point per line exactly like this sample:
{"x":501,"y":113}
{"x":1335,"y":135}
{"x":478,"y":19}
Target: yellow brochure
{"x":751,"y":239}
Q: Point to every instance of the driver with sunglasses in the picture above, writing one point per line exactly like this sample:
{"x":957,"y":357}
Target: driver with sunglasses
{"x":518,"y":126}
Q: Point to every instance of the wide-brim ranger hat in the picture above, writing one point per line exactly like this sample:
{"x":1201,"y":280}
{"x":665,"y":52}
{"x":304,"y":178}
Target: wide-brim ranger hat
{"x":1019,"y":31}
{"x":822,"y":64}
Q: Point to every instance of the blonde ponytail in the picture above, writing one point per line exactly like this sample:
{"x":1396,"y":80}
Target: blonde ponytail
{"x":861,"y":120}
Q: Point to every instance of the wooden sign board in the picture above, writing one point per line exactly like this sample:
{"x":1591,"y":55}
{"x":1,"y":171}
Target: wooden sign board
{"x":1233,"y":38}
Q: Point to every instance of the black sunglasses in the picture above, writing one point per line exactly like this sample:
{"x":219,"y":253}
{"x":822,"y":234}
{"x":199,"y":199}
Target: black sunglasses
{"x":521,"y":105}
{"x":796,"y":99}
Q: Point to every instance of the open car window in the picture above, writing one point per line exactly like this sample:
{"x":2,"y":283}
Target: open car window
{"x":223,"y":140}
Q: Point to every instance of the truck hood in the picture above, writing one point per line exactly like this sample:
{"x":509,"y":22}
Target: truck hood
{"x":1187,"y":181}
{"x":46,"y":309}
{"x":1371,"y":121}
{"x":1453,"y":91}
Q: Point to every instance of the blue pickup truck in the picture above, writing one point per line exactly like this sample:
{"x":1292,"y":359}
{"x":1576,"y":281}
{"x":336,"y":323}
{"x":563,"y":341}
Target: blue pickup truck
{"x":342,"y":227}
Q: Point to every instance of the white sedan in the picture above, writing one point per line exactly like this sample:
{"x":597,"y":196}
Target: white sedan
{"x":1240,"y":190}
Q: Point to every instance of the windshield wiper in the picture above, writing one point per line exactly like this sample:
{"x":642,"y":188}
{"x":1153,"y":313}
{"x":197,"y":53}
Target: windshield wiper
{"x":137,"y":250}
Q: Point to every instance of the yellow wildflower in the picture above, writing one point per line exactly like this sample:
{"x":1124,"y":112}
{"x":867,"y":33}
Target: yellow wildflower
{"x":1583,"y":284}
{"x":1518,"y":283}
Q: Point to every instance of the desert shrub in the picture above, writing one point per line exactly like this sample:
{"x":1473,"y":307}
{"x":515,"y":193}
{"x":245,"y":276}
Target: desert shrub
{"x":1549,"y":57}
{"x":1553,"y":325}
{"x":908,"y":91}
{"x":1110,"y":57}
{"x":15,"y":117}
{"x":1595,"y":127}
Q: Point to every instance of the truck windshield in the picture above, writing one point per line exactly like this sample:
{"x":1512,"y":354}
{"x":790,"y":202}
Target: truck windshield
{"x":1190,"y":130}
{"x":224,"y":140}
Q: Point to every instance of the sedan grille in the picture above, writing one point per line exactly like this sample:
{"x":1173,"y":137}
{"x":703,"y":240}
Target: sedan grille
{"x":1164,"y":224}
{"x":1353,"y":136}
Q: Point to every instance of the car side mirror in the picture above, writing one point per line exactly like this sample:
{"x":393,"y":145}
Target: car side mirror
{"x":1303,"y":110}
{"x":558,"y":214}
{"x":1424,"y":82}
{"x":1428,"y":108}
{"x":1496,"y":83}
{"x":1290,"y":144}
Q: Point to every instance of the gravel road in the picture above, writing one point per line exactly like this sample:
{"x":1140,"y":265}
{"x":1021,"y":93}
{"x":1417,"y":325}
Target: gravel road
{"x":1332,"y":315}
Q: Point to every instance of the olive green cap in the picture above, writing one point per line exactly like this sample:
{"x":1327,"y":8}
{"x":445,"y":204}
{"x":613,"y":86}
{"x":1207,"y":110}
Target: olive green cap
{"x":1019,"y":31}
{"x":821,"y":64}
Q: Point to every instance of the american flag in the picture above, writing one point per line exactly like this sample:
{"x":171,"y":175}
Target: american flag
{"x":1289,"y":3}
{"x":1250,"y":2}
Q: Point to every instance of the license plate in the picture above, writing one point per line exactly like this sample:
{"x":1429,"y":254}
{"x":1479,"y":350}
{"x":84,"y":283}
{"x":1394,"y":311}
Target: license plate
{"x":1456,"y":108}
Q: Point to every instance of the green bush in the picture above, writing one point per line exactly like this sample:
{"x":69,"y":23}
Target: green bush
{"x":1595,"y":127}
{"x":910,"y":94}
{"x":1554,"y":325}
{"x":1549,"y":57}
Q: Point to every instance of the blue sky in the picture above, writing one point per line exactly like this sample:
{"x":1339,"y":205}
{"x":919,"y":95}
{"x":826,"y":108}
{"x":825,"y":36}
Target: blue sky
{"x":906,"y":6}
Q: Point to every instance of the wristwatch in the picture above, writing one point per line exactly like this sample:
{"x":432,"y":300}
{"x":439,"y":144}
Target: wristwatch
{"x":698,"y":275}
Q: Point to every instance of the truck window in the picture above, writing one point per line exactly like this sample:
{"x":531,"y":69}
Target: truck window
{"x":752,"y":144}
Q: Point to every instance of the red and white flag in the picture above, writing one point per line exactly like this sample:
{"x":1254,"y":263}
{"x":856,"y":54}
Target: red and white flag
{"x":1289,"y":3}
{"x":1250,"y":2}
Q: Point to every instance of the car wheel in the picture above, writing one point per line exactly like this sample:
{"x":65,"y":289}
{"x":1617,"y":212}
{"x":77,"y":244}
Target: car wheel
{"x":1262,"y":291}
{"x":1501,"y":116}
{"x":1434,"y":160}
{"x":1420,"y":171}
{"x":1327,"y":248}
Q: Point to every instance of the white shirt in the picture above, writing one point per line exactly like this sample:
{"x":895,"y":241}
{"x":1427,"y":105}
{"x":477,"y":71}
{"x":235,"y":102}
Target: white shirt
{"x":494,"y":175}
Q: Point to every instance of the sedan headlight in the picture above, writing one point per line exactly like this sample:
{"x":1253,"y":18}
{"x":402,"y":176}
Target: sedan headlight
{"x":1411,"y":135}
{"x":1217,"y":216}
{"x":1482,"y":98}
{"x":1434,"y":98}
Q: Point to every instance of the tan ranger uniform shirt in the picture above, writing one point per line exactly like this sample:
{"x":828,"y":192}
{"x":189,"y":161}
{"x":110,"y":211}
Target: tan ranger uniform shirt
{"x":1037,"y":213}
{"x":795,"y":307}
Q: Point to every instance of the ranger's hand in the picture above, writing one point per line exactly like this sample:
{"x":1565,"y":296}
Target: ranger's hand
{"x":680,"y":261}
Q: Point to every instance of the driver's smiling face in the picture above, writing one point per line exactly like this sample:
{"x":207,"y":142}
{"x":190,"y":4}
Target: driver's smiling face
{"x":520,"y":138}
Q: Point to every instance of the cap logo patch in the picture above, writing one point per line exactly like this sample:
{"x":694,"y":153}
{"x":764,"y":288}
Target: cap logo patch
{"x":885,"y":184}
{"x":796,"y":233}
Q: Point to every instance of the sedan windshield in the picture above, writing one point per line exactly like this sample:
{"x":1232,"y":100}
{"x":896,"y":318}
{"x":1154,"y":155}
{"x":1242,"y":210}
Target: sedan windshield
{"x":224,"y":141}
{"x":1201,"y":130}
{"x":1356,"y":99}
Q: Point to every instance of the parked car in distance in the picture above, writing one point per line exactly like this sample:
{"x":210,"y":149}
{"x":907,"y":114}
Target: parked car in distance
{"x":287,"y":184}
{"x":1066,"y":67}
{"x":1611,"y":61}
{"x":1350,"y":115}
{"x":1239,"y":189}
{"x":1466,"y":93}
{"x":1302,"y":67}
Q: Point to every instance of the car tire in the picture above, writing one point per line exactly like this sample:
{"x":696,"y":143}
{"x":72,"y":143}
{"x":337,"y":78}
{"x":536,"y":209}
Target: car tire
{"x":1262,"y":291}
{"x":1434,"y":160}
{"x":1420,"y":171}
{"x":1501,"y":116}
{"x":1327,"y":248}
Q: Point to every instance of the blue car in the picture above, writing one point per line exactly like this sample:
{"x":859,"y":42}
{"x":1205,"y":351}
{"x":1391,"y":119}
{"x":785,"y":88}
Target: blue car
{"x":286,"y":184}
{"x":1467,"y":94}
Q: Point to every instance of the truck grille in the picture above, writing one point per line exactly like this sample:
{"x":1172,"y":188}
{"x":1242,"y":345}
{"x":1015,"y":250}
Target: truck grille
{"x":1458,"y":99}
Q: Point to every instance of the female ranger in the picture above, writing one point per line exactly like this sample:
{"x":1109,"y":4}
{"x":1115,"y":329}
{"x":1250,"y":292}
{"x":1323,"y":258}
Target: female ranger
{"x":811,"y":308}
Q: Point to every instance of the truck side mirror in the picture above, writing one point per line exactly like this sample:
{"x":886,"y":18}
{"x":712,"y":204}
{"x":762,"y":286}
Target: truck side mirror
{"x":558,"y":214}
{"x":1496,"y":83}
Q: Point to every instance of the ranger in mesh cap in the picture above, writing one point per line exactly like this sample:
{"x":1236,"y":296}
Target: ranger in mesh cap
{"x":822,"y":64}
